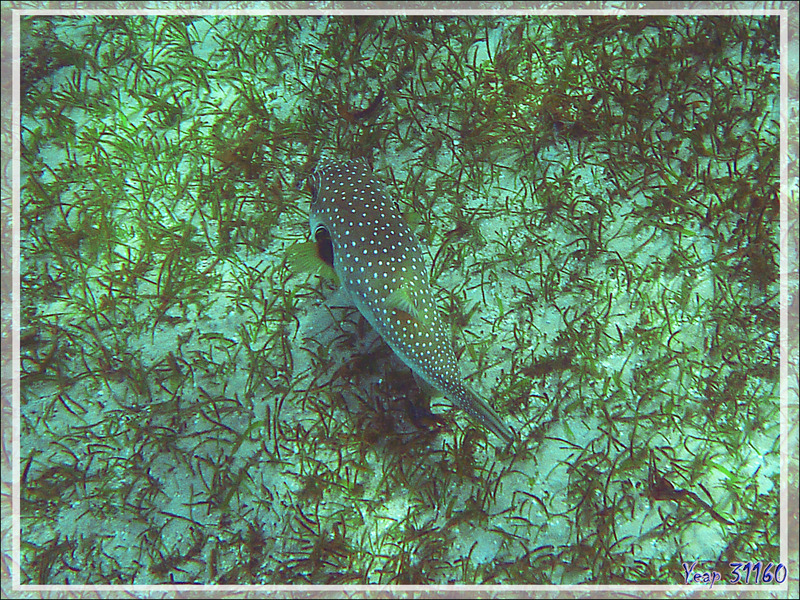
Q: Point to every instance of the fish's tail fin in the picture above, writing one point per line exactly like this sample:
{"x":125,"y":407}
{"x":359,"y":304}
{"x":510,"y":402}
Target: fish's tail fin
{"x":483,"y":412}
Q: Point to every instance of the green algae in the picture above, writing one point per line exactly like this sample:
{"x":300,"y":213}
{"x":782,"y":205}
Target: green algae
{"x":599,"y":198}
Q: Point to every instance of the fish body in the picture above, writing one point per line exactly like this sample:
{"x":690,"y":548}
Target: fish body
{"x":378,"y":260}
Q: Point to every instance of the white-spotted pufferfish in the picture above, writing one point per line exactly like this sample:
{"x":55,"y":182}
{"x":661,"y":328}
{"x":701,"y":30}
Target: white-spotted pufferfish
{"x":378,"y":261}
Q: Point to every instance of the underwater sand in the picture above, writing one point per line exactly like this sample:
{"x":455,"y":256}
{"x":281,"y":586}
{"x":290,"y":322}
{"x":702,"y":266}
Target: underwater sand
{"x":195,"y":412}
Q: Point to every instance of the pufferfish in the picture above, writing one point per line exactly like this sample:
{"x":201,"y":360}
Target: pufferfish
{"x":378,"y":261}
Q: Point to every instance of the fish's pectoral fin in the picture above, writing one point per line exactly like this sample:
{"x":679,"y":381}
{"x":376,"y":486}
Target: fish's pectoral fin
{"x":305,"y":257}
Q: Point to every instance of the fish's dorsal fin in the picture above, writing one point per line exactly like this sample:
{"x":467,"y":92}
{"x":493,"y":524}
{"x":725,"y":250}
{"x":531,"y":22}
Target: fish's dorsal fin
{"x":411,"y":288}
{"x":402,"y":299}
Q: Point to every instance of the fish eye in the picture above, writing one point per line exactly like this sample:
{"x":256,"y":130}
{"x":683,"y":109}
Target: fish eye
{"x":311,"y":186}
